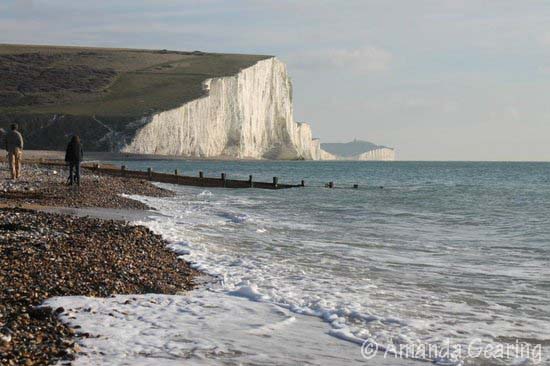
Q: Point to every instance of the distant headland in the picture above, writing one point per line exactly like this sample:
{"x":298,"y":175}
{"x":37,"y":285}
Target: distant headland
{"x":359,"y":150}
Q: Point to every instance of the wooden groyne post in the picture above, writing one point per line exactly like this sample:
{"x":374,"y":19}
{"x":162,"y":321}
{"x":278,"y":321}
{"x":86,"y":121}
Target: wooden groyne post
{"x":176,"y":177}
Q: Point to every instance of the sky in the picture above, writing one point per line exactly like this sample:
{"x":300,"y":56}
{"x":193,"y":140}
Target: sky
{"x":436,"y":79}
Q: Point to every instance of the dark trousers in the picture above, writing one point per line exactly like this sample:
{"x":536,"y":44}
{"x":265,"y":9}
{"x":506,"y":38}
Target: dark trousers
{"x":74,"y":173}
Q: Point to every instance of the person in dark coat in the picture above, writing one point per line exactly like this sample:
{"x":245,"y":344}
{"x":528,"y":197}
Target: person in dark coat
{"x":73,"y":157}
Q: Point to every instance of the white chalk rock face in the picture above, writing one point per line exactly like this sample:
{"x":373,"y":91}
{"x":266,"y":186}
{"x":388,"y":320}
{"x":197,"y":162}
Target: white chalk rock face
{"x":248,"y":115}
{"x":382,"y":154}
{"x":325,"y":155}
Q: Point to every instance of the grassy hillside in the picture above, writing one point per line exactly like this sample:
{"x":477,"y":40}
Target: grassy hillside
{"x":106,"y":82}
{"x":53,"y":92}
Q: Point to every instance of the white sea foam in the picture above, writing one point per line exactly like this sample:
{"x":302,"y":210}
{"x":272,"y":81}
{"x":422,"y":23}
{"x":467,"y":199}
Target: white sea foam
{"x":432,"y":264}
{"x":202,"y":328}
{"x":294,"y":268}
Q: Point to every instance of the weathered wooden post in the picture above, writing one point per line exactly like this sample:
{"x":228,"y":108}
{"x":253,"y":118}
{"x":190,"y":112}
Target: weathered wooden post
{"x":303,"y":183}
{"x":250,"y":182}
{"x":223,"y":180}
{"x":150,"y":173}
{"x":123,"y":170}
{"x":355,"y":186}
{"x":275,"y":182}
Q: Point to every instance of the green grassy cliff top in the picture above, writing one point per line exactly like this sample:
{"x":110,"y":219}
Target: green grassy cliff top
{"x":107,"y":82}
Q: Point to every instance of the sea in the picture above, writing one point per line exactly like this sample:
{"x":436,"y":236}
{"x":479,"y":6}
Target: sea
{"x":446,"y":262}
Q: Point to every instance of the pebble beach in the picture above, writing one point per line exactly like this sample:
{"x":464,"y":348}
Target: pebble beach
{"x":47,"y":186}
{"x":44,"y":255}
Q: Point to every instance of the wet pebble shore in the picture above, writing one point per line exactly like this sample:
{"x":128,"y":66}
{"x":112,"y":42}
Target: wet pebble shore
{"x":44,"y":255}
{"x":47,"y":186}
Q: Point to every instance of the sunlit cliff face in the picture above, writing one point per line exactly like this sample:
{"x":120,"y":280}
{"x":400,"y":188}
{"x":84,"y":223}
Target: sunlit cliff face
{"x":248,"y":115}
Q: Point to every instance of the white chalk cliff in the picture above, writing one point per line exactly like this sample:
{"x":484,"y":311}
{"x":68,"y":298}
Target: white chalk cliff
{"x":247,"y":115}
{"x":356,"y":150}
{"x":381,"y":154}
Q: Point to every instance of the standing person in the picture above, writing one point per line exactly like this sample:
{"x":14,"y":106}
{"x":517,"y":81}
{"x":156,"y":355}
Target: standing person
{"x":14,"y":146}
{"x":74,"y":156}
{"x":3,"y":141}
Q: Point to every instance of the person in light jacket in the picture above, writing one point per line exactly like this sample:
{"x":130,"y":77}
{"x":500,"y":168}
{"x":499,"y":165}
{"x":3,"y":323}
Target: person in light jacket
{"x":14,"y":146}
{"x":73,"y":157}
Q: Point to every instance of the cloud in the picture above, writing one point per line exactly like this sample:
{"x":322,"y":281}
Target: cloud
{"x":23,"y":5}
{"x":544,"y":39}
{"x":507,"y":116}
{"x":364,"y":60}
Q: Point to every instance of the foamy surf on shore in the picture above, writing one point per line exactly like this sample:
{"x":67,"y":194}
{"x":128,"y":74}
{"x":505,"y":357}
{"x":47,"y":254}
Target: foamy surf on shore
{"x":442,"y":259}
{"x":203,"y":328}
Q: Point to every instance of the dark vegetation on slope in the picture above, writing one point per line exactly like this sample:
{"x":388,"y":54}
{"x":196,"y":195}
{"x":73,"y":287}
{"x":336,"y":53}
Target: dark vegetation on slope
{"x":53,"y":91}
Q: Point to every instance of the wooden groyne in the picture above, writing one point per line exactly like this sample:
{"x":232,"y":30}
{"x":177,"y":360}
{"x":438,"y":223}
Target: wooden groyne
{"x":176,"y":178}
{"x":200,"y":180}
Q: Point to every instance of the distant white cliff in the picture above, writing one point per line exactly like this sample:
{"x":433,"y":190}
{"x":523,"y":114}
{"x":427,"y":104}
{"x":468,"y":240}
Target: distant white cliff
{"x":357,"y":150}
{"x":381,"y":154}
{"x":248,"y":115}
